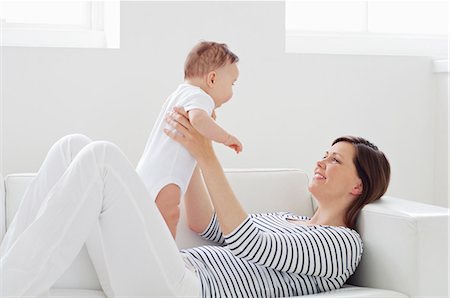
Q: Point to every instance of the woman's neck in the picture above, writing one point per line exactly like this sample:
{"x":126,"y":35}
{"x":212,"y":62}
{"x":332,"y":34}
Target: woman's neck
{"x":328,"y":217}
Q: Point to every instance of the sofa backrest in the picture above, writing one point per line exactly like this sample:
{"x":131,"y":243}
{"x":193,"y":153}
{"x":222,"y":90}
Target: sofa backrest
{"x":258,"y":190}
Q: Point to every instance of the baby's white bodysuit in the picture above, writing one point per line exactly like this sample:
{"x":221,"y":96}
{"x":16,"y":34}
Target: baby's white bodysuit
{"x":165,"y":161}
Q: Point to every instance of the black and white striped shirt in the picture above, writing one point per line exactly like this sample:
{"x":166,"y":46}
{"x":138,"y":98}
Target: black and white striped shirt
{"x":270,"y":256}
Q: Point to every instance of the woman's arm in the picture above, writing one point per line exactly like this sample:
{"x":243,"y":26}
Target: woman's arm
{"x":328,"y":252}
{"x":228,"y":209}
{"x":198,"y":206}
{"x":199,"y":210}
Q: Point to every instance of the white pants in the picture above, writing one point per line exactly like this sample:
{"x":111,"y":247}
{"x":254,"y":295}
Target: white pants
{"x":88,"y":193}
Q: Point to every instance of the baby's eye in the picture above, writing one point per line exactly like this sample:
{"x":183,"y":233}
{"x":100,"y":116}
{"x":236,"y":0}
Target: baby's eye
{"x":335,"y":160}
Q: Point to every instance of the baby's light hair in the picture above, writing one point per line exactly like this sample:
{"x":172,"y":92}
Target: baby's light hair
{"x":207,"y":56}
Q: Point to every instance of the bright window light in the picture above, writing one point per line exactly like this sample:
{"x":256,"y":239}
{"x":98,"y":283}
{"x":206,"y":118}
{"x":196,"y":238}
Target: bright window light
{"x":80,"y":24}
{"x":430,"y":17}
{"x":330,"y":16}
{"x":408,"y":28}
{"x":49,"y":13}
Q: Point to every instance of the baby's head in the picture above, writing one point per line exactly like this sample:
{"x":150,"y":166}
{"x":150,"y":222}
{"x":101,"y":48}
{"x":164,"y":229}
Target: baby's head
{"x":212,"y":67}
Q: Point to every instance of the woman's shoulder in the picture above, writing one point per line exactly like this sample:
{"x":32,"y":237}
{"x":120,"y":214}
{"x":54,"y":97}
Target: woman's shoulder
{"x":345,"y":234}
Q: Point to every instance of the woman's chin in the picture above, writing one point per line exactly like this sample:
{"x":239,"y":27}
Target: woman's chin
{"x":312,"y":188}
{"x":314,"y":183}
{"x":315,"y":188}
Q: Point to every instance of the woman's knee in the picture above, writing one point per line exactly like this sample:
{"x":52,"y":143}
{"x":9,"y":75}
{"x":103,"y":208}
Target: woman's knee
{"x":69,"y":146}
{"x":106,"y":152}
{"x":105,"y":147}
{"x":74,"y":142}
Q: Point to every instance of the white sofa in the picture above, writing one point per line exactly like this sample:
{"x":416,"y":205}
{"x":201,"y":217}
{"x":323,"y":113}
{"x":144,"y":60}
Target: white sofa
{"x":405,"y":243}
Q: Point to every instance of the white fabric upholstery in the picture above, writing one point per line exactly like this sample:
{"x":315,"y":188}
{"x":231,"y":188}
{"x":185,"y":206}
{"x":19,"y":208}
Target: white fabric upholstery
{"x":75,"y":293}
{"x":260,"y":191}
{"x":406,"y":248}
{"x":405,"y":243}
{"x":345,"y":292}
{"x":2,"y":208}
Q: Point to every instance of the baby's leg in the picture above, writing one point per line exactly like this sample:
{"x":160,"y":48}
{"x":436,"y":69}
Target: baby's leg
{"x":168,"y":202}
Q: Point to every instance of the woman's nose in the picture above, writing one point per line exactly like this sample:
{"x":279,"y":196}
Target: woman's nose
{"x":321,"y":164}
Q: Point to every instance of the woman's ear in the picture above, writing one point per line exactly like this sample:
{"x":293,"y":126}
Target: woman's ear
{"x":210,"y":79}
{"x":357,"y":189}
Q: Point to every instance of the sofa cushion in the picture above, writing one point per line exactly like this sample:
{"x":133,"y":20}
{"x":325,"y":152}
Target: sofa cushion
{"x":346,"y":291}
{"x":75,"y":293}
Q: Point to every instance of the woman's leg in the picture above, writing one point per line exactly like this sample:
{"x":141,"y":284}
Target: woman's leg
{"x":55,"y":164}
{"x":101,"y":200}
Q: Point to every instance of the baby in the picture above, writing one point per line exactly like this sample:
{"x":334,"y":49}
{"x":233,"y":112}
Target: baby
{"x":166,"y":167}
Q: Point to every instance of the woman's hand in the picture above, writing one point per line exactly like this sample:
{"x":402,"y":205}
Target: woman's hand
{"x":198,"y":146}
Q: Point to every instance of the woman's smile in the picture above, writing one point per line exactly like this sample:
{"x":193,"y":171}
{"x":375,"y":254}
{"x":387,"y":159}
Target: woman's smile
{"x":319,"y":176}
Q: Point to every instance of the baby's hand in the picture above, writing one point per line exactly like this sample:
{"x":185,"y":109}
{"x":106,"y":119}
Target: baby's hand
{"x":233,"y":143}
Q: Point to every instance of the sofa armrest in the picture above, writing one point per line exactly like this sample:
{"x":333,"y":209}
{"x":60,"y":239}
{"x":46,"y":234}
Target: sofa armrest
{"x":2,"y":208}
{"x":405,"y":248}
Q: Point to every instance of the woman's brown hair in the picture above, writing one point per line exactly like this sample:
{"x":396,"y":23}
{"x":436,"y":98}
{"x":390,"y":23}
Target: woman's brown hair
{"x":374,"y":171}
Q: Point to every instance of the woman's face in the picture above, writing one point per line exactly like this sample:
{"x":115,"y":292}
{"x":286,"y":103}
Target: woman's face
{"x":335,"y":176}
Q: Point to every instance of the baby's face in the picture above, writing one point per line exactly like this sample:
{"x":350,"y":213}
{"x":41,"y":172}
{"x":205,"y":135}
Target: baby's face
{"x":225,"y":78}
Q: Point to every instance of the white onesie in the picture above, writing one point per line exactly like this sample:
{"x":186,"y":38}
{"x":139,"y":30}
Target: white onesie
{"x":164,"y":160}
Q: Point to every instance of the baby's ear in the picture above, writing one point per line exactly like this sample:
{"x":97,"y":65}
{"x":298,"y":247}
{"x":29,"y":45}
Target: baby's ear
{"x":210,"y":79}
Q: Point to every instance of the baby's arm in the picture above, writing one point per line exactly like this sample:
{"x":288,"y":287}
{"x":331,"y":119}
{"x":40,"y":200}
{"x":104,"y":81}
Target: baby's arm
{"x":206,"y":125}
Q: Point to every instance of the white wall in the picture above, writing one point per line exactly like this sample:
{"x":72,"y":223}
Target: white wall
{"x":287,"y":108}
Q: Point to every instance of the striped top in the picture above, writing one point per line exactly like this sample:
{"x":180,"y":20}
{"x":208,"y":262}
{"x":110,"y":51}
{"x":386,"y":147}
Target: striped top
{"x":270,"y":256}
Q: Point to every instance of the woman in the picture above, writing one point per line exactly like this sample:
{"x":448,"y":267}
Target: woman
{"x":88,"y":193}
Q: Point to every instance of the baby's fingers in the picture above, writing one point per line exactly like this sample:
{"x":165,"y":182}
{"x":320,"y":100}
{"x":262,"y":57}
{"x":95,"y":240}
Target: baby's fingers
{"x":236,"y":148}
